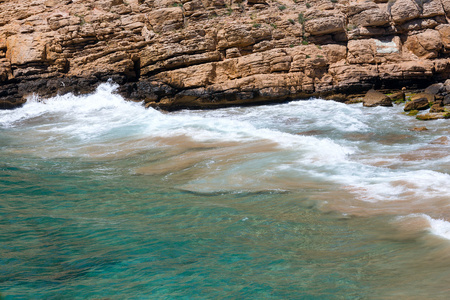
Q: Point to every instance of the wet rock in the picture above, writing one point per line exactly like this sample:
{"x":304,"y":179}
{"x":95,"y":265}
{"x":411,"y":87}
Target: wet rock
{"x":430,"y":97}
{"x":423,"y":128}
{"x":375,"y":98}
{"x":433,"y":116}
{"x":436,"y":108}
{"x":417,"y":104}
{"x":397,"y":96}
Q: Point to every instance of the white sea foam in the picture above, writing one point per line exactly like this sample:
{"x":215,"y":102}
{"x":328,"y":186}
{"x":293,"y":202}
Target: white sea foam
{"x":65,"y":124}
{"x":437,"y":227}
{"x":377,"y":184}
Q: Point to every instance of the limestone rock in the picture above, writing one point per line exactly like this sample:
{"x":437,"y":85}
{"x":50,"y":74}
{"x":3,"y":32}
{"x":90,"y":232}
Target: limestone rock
{"x":234,"y":35}
{"x":444,"y":31}
{"x":166,"y":19}
{"x":432,"y":8}
{"x":426,"y":44}
{"x":354,"y":8}
{"x":361,"y":51}
{"x":404,"y":10}
{"x":201,"y":53}
{"x":323,"y":22}
{"x":446,"y":7}
{"x":335,"y":52}
{"x":375,"y":98}
{"x":23,"y":49}
{"x":370,"y":17}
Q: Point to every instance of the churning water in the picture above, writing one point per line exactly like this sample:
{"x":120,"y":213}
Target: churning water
{"x":103,"y":199}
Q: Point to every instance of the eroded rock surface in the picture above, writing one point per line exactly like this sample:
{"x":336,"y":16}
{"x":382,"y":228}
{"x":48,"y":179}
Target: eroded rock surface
{"x":212,"y":53}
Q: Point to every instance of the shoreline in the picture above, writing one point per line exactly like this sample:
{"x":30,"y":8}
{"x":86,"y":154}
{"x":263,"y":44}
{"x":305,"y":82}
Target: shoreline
{"x":202,"y":55}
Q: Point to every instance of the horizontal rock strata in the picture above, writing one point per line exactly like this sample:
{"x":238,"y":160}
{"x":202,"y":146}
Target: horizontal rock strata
{"x":211,"y":53}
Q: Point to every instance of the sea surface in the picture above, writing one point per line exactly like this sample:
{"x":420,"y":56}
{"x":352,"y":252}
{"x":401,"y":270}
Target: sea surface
{"x":101,"y":198}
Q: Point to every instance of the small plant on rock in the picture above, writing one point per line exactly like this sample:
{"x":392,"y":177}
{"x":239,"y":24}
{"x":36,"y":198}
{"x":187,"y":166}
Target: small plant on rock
{"x":301,"y":18}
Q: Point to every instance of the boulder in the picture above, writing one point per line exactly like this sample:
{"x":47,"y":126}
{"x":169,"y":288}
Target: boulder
{"x":446,"y":100}
{"x":397,"y":97}
{"x":436,"y":108}
{"x":375,"y":98}
{"x":430,"y":97}
{"x":435,"y":88}
{"x":417,"y":104}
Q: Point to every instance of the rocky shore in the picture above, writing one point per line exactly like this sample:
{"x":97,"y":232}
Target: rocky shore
{"x":176,"y":54}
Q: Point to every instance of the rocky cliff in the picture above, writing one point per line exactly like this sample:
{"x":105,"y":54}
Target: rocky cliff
{"x":210,"y":53}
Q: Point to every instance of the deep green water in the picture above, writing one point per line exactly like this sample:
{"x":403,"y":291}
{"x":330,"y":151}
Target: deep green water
{"x":112,"y":201}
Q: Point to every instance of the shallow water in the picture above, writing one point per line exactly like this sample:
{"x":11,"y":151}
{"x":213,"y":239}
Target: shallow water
{"x":103,"y":199}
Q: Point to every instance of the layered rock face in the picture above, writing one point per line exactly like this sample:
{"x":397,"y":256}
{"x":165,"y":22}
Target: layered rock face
{"x":175,"y":54}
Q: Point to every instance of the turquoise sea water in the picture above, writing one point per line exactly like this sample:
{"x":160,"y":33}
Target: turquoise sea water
{"x":103,"y":199}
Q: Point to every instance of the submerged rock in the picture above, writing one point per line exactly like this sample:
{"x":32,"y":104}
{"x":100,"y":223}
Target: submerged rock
{"x":443,"y":140}
{"x":423,"y":128}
